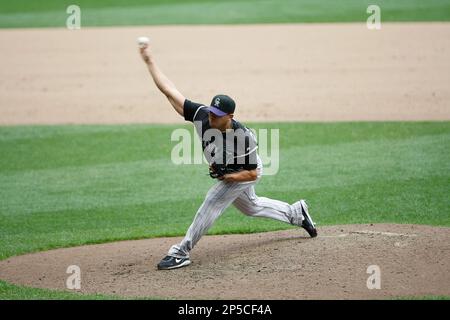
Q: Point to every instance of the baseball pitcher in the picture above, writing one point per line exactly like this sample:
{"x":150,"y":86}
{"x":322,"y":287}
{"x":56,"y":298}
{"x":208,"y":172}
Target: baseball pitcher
{"x":231,"y":150}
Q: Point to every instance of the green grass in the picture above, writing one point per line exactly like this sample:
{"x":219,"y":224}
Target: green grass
{"x":13,"y":292}
{"x":52,"y":13}
{"x":424,"y":298}
{"x":70,"y":185}
{"x":73,"y":185}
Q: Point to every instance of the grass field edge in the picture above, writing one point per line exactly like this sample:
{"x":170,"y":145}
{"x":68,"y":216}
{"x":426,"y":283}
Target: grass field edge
{"x":216,"y":233}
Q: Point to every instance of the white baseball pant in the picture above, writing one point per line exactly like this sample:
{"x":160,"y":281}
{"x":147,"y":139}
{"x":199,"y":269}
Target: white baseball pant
{"x":242,"y":196}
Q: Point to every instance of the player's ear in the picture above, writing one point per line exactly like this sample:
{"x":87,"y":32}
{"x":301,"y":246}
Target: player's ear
{"x":231,"y":115}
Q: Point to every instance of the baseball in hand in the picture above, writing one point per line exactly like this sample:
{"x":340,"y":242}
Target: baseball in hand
{"x":142,"y":42}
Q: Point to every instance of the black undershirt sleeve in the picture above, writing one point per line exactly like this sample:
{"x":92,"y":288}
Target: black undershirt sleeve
{"x":191,"y":108}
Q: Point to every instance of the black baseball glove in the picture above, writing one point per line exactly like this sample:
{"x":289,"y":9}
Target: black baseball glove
{"x":217,"y":171}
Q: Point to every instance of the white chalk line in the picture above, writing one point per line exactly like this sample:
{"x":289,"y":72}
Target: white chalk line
{"x":367,"y":232}
{"x":389,"y":234}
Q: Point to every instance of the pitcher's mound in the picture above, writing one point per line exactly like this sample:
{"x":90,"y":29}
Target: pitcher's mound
{"x":413,"y":261}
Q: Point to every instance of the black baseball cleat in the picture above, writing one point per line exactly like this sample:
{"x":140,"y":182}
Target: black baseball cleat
{"x":169,"y":262}
{"x":308,"y":224}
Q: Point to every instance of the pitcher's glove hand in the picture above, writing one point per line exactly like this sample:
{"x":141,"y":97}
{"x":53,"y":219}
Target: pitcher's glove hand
{"x":217,"y":171}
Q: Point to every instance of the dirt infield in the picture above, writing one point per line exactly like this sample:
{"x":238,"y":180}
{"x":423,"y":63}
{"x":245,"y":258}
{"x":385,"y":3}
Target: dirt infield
{"x":276,"y":265}
{"x":312,"y":72}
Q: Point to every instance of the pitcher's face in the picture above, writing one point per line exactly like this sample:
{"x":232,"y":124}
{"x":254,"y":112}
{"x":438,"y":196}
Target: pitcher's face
{"x":219,"y":123}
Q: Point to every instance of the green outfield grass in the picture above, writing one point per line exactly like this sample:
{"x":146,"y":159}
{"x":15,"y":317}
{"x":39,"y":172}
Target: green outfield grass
{"x":73,"y":185}
{"x":52,"y":13}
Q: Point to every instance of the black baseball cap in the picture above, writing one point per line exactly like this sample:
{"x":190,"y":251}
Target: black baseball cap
{"x":222,"y":105}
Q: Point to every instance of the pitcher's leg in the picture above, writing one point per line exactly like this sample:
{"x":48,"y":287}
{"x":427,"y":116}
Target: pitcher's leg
{"x":218,"y":198}
{"x":250,"y":204}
